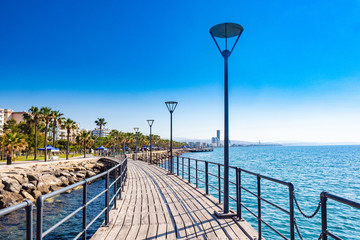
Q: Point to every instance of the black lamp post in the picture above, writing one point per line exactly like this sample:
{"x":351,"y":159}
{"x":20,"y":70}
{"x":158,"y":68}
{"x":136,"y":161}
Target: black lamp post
{"x":171,"y":105}
{"x":136,"y":136}
{"x":226,"y":30}
{"x":150,"y":122}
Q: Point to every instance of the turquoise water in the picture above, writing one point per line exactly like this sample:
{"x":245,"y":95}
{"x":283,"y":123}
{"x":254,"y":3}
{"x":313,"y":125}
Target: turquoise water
{"x":312,"y":169}
{"x":12,"y":226}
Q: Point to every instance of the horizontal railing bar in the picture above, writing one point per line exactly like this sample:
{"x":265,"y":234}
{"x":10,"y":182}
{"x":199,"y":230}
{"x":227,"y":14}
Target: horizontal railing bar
{"x":274,"y":205}
{"x":92,"y":221}
{"x":342,"y":200}
{"x":96,"y":197}
{"x":112,"y":184}
{"x":249,"y":191}
{"x":332,"y":235}
{"x":15,"y":207}
{"x":249,"y":210}
{"x":272,"y":228}
{"x":246,"y":171}
{"x":62,"y":221}
{"x":211,"y":174}
{"x":232,"y":198}
{"x":79,"y":234}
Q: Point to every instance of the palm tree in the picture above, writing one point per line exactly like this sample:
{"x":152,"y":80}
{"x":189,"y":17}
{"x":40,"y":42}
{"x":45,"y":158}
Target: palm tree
{"x":68,"y":125}
{"x":114,"y":139}
{"x":35,"y":114}
{"x":57,"y":119}
{"x":100,"y":122}
{"x":46,"y":115}
{"x":86,"y":140}
{"x":13,"y":142}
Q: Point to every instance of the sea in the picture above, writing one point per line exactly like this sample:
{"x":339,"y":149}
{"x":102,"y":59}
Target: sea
{"x":312,"y":170}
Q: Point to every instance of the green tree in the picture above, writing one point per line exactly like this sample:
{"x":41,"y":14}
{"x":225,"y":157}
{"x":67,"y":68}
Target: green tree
{"x":86,"y":140}
{"x":101,"y":123}
{"x":36,"y":117}
{"x":12,"y":142}
{"x":68,"y":125}
{"x":46,"y":116}
{"x":11,"y":125}
{"x":57,"y":119}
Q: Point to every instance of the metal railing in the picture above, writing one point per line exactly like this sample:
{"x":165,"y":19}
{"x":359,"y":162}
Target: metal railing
{"x":120,"y":175}
{"x":324,"y":196}
{"x":28,"y":205}
{"x":189,"y":169}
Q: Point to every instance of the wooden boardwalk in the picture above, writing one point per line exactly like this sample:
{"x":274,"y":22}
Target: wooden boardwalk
{"x":160,"y":206}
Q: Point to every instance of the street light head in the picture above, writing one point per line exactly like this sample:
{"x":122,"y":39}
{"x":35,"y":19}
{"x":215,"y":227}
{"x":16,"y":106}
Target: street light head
{"x":136,"y":129}
{"x":150,"y":122}
{"x":171,"y":105}
{"x":226,"y":30}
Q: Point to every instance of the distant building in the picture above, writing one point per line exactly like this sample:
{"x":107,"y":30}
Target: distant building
{"x":62,"y":133}
{"x":104,"y":132}
{"x":7,"y":114}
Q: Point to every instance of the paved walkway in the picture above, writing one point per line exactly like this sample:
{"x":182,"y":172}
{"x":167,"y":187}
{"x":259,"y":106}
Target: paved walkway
{"x":160,"y":206}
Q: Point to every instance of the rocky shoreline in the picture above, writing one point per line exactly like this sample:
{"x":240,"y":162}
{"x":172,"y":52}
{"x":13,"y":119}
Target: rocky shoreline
{"x":18,"y":183}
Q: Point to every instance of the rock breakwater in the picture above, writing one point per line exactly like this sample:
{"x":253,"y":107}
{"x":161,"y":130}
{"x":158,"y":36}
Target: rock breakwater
{"x":30,"y":181}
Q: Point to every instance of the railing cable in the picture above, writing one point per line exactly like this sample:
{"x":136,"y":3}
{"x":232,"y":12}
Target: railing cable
{"x":305,"y":215}
{"x":297,"y":230}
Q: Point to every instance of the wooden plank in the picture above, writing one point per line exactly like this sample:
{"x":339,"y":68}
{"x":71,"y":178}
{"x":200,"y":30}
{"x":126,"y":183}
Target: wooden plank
{"x":143,"y":212}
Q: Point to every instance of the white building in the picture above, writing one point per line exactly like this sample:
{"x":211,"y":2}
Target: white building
{"x":104,"y":132}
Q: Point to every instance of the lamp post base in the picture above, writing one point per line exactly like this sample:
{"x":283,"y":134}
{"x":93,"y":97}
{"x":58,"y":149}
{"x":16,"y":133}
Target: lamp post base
{"x":222,"y":215}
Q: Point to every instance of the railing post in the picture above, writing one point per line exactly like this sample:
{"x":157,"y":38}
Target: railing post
{"x":182,"y":159}
{"x":189,"y":177}
{"x":121,"y":181}
{"x":84,"y":213}
{"x":292,"y":215}
{"x":115,"y":177}
{"x":238,"y":193}
{"x":29,"y":220}
{"x":177,"y":165}
{"x":107,"y":197}
{"x":206,"y":177}
{"x":259,"y":205}
{"x":196,"y":172}
{"x":219,"y":183}
{"x":323,"y":200}
{"x":39,"y":217}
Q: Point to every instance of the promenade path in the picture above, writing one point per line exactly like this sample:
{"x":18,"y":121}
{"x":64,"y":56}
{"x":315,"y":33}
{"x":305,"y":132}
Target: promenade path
{"x":156,"y":205}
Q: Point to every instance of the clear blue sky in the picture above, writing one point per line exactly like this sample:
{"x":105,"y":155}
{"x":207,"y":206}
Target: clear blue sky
{"x":294,"y":75}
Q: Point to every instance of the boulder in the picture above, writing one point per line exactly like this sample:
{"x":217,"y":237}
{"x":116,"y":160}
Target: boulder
{"x":2,"y":186}
{"x":73,"y":179}
{"x":89,"y":166}
{"x":90,"y":174}
{"x":79,"y":168}
{"x":8,"y":199}
{"x":36,"y":194}
{"x":50,"y":180}
{"x":27,"y":195}
{"x":54,"y":188}
{"x":57,"y":173}
{"x":43,"y":187}
{"x":18,"y":178}
{"x":33,"y":176}
{"x":65,"y":180}
{"x":66,"y":174}
{"x":28,"y":187}
{"x":81,"y":175}
{"x":11,"y":185}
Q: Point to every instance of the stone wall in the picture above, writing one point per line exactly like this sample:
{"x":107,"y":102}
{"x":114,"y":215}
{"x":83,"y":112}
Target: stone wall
{"x":18,"y":183}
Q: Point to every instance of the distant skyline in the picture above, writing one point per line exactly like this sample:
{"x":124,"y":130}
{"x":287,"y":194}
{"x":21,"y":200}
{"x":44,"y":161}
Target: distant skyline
{"x":294,"y":75}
